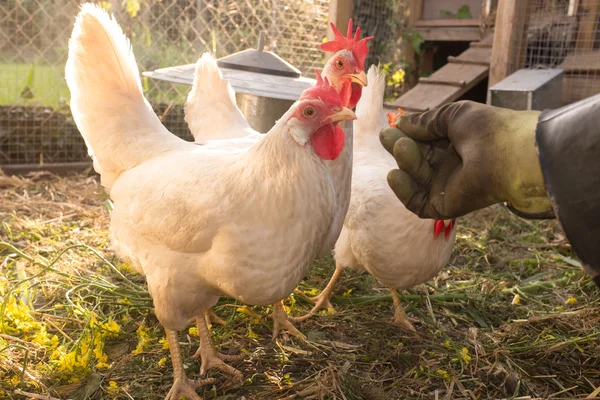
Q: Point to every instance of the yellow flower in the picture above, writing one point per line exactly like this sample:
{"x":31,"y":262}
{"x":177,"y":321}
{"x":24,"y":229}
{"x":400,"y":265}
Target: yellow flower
{"x":165,"y":343}
{"x":112,"y":388}
{"x":251,"y":333}
{"x":516,"y":300}
{"x":42,"y":338}
{"x":102,"y":365}
{"x":17,"y":318}
{"x":571,"y":300}
{"x":111,"y":328}
{"x":15,"y":380}
{"x":444,"y":374}
{"x":144,"y":338}
{"x":162,"y":362}
{"x":66,"y":362}
{"x":347,"y":293}
{"x":464,"y":354}
{"x":193,"y":331}
{"x":105,"y":4}
{"x":132,"y":7}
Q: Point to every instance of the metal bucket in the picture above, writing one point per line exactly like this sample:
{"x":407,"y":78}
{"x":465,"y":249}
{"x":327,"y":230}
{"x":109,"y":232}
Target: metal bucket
{"x":261,"y":112}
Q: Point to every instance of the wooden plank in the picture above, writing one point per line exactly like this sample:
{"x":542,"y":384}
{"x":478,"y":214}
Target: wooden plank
{"x":586,"y":34}
{"x":57,"y":168}
{"x":456,"y":60}
{"x":487,"y":41}
{"x":509,"y":33}
{"x":460,"y":72}
{"x":578,"y":87}
{"x":450,"y":82}
{"x":430,"y":81}
{"x":449,"y":33}
{"x":585,"y":61}
{"x":475,"y":54}
{"x":448,"y":22}
{"x":424,"y":97}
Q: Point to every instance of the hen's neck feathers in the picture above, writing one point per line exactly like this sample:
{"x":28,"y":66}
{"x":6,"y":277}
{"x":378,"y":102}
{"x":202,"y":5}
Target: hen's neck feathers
{"x":278,"y":154}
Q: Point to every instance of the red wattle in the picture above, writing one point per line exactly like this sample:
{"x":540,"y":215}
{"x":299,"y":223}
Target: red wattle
{"x":346,"y":94}
{"x":328,"y":141}
{"x":437,"y":227}
{"x":449,"y":228}
{"x":356,"y":92}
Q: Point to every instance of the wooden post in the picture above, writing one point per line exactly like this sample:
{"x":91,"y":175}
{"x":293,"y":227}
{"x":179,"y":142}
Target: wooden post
{"x":411,"y":77}
{"x":588,"y":24}
{"x":340,"y":11}
{"x":509,"y":38}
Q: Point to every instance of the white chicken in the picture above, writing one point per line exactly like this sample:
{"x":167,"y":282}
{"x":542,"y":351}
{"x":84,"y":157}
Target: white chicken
{"x":212,"y":114}
{"x":196,"y":223}
{"x":380,"y":235}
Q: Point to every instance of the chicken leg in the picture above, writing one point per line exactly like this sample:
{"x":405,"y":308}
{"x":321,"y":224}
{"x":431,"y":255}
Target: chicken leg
{"x":182,"y":385}
{"x":209,"y":355}
{"x":400,"y":318}
{"x":282,"y":321}
{"x":322,"y":299}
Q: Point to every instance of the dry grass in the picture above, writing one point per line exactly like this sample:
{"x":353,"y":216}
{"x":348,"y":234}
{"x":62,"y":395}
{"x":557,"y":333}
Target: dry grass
{"x":512,"y":315}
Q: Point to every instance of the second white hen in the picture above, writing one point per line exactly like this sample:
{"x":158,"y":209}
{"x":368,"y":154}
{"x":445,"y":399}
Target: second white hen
{"x":380,"y":235}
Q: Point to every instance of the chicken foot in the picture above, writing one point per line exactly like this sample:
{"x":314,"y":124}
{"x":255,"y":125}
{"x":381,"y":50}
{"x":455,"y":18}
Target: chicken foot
{"x":400,"y":318}
{"x":282,"y":321}
{"x":211,"y":358}
{"x":212,"y":318}
{"x":322,"y":299}
{"x":182,"y":385}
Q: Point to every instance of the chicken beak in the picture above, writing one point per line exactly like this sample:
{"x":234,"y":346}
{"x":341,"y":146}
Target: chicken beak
{"x":360,"y":78}
{"x":344,"y":114}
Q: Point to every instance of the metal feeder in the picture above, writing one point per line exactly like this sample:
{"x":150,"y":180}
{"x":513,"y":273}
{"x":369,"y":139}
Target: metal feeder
{"x":265,"y":84}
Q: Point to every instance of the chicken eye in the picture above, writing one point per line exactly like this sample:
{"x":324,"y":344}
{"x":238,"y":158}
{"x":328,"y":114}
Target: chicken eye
{"x":339,"y":64}
{"x":309,"y":112}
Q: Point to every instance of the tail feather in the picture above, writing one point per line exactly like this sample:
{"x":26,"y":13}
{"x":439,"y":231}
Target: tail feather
{"x":211,"y":112}
{"x":369,"y":109}
{"x":117,"y":123}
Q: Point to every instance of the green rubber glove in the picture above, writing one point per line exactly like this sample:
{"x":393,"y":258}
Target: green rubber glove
{"x":464,"y":156}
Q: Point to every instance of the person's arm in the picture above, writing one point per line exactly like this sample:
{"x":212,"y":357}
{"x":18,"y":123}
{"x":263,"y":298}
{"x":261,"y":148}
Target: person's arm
{"x":465,"y":156}
{"x":568,"y":141}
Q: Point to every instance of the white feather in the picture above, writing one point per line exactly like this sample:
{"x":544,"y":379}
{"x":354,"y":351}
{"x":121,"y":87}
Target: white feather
{"x":380,"y":235}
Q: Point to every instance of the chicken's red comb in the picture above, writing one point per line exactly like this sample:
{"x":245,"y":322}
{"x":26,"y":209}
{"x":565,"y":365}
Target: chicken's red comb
{"x":322,"y":90}
{"x":358,"y":47}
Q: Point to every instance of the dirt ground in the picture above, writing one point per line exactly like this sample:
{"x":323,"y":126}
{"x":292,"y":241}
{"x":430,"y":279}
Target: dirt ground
{"x":511,"y":316}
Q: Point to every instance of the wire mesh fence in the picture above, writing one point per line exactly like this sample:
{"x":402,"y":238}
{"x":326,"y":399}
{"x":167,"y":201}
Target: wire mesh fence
{"x":35,"y":122}
{"x":563,"y":34}
{"x":35,"y":125}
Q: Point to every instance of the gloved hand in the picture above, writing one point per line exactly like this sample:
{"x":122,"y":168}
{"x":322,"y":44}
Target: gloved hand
{"x":464,"y":156}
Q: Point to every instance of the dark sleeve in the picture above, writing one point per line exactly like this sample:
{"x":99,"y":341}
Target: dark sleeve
{"x":568,"y":141}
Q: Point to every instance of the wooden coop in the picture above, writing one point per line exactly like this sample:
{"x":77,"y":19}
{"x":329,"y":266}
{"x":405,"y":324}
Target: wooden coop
{"x":471,"y":45}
